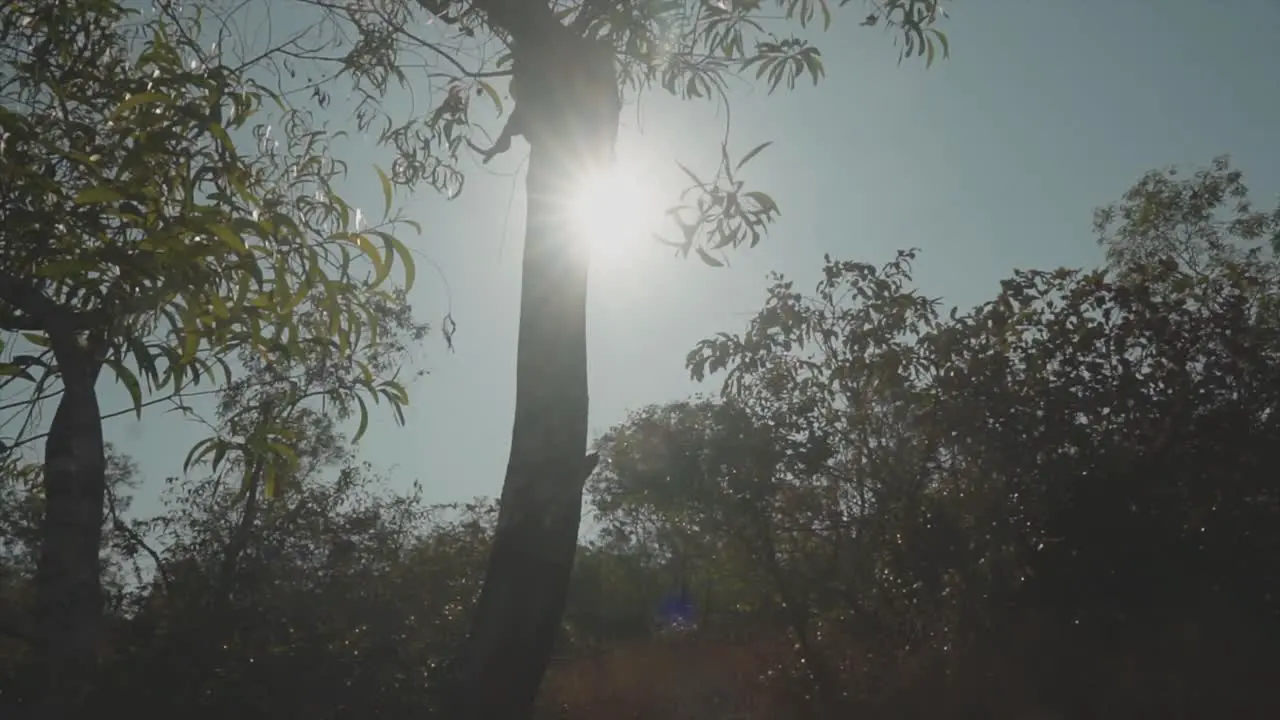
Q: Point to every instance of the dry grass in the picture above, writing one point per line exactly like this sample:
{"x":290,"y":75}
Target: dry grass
{"x":674,"y":679}
{"x":1179,"y":671}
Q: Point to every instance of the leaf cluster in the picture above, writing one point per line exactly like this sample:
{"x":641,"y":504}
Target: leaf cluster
{"x":149,"y":197}
{"x":690,"y":49}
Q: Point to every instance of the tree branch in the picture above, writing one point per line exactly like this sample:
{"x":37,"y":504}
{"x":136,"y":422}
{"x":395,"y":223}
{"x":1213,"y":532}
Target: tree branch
{"x":523,"y":20}
{"x":32,"y":310}
{"x":133,"y":535}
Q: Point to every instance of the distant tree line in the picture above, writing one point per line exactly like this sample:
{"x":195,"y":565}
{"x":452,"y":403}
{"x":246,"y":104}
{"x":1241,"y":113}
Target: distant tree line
{"x":1062,"y":501}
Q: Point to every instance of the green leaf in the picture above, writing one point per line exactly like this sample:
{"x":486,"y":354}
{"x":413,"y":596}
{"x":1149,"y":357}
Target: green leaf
{"x":230,"y":237}
{"x":364,"y":419}
{"x":11,"y":370}
{"x":381,"y":267}
{"x":98,"y":194}
{"x":226,"y":369}
{"x":146,"y":363}
{"x":219,"y":454}
{"x":138,"y":99}
{"x":395,"y":392}
{"x":270,"y":481}
{"x":943,"y":41}
{"x":304,"y":289}
{"x":410,"y":272}
{"x":219,"y":307}
{"x":393,"y":245}
{"x":492,"y":95}
{"x":284,"y":452}
{"x":223,"y":138}
{"x":130,"y":382}
{"x":386,"y":191}
{"x":190,"y":339}
{"x":198,"y":452}
{"x":366,"y":375}
{"x":37,"y":339}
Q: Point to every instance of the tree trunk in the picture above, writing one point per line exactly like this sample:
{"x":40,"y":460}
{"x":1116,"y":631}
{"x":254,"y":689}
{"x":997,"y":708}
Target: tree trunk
{"x":521,"y":605}
{"x":522,"y":602}
{"x":68,"y":578}
{"x":68,"y":610}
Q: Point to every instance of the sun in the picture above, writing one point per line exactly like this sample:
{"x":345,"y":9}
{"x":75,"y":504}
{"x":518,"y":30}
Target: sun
{"x":615,"y":210}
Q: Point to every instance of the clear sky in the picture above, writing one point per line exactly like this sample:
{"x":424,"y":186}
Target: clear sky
{"x":989,"y":161}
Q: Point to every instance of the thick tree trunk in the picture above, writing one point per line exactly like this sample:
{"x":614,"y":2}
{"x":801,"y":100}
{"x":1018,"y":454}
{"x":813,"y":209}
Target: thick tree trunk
{"x":68,"y":579}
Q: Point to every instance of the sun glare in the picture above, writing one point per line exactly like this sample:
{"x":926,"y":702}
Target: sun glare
{"x":615,"y":210}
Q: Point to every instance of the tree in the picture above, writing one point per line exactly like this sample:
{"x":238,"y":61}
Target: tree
{"x":1201,"y":222}
{"x":569,"y":115}
{"x":793,"y":468}
{"x":680,"y":482}
{"x":1077,"y":469}
{"x":139,"y":238}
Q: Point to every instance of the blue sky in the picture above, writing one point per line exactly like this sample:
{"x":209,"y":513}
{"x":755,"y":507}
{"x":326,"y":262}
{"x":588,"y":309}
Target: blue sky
{"x":990,"y":161}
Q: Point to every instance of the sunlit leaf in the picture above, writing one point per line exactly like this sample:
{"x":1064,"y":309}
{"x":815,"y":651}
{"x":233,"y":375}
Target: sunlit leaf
{"x":270,"y":481}
{"x":223,"y":138}
{"x":284,"y":451}
{"x":229,"y":236}
{"x":381,"y":267}
{"x":139,"y":99}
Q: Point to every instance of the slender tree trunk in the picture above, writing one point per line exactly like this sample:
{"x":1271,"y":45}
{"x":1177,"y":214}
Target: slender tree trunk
{"x":68,"y":577}
{"x":206,"y":644}
{"x":521,"y":605}
{"x":522,"y":601}
{"x":224,"y":582}
{"x":68,"y":610}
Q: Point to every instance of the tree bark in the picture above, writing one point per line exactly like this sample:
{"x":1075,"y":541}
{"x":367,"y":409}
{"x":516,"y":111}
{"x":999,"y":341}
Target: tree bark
{"x":68,"y":575}
{"x":522,"y":601}
{"x":68,"y":610}
{"x":502,"y":662}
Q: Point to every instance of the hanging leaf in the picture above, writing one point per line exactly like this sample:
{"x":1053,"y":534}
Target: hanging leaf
{"x":706,"y":258}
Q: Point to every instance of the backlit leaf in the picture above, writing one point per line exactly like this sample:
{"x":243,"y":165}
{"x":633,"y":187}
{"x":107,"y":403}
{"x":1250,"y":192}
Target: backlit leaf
{"x":139,"y":99}
{"x":386,"y":191}
{"x":130,"y":382}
